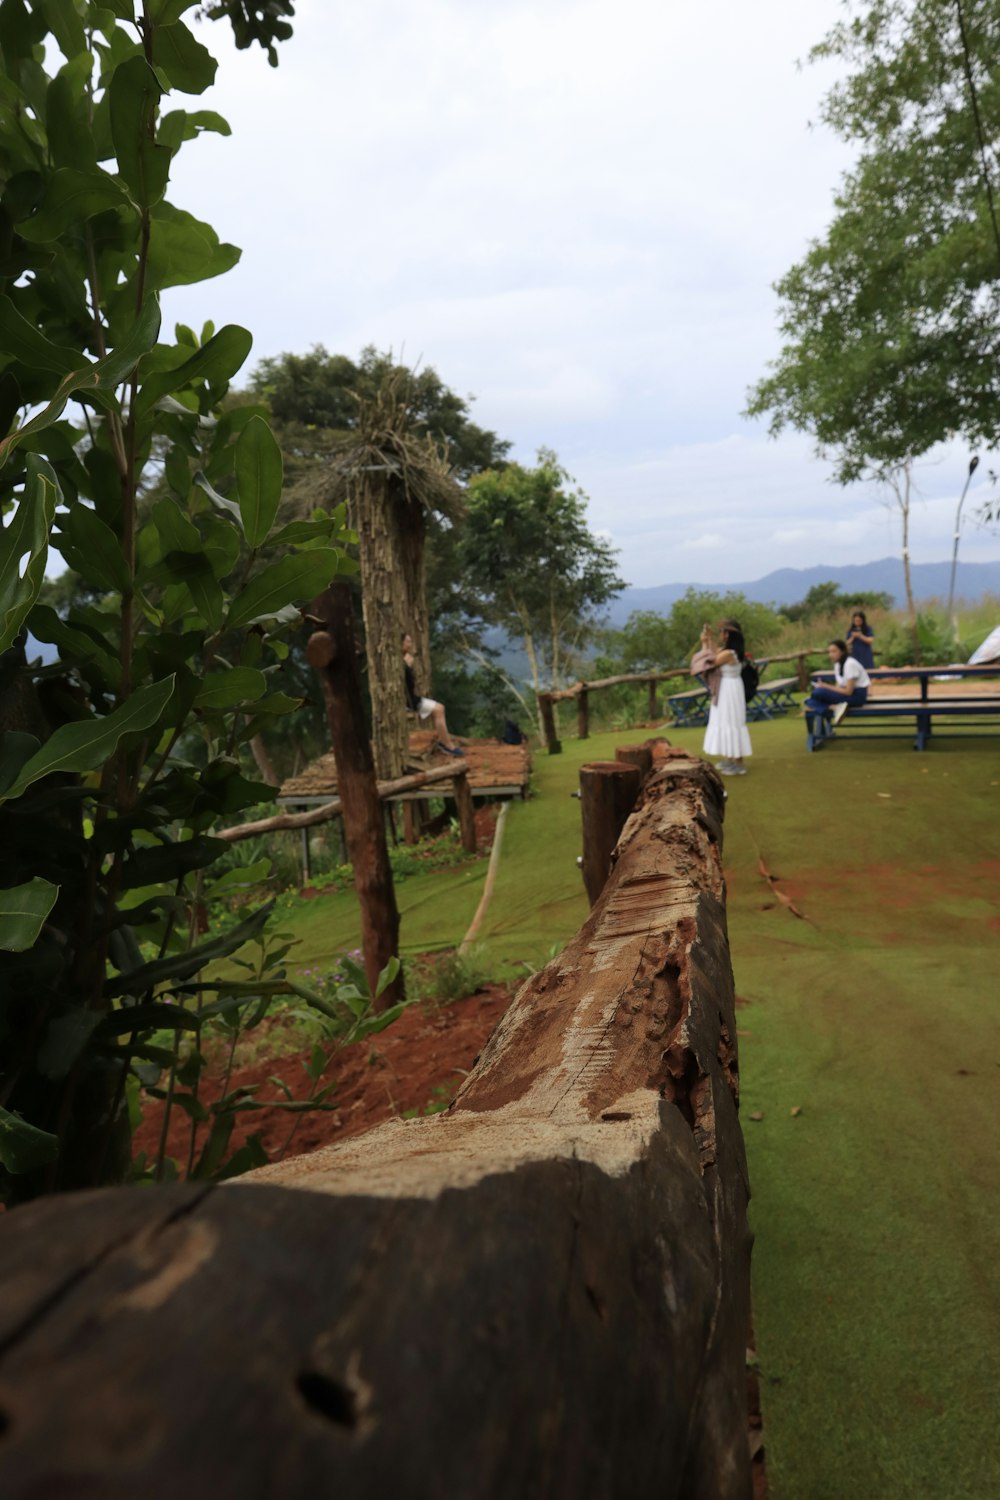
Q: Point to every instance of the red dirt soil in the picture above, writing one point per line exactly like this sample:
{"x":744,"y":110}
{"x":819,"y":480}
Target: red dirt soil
{"x":419,"y":1060}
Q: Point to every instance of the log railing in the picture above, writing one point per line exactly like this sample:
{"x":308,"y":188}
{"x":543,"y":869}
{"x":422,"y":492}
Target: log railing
{"x":582,"y":690}
{"x":542,"y":1291}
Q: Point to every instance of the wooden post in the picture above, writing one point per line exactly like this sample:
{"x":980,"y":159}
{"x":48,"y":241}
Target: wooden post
{"x":466,"y":812}
{"x":543,"y":1291}
{"x":803,"y":675}
{"x":608,"y":791}
{"x":410,"y":831}
{"x":306,"y":864}
{"x":651,"y":713}
{"x":334,"y":655}
{"x":583,"y":713}
{"x":549,"y":723}
{"x":636,"y":755}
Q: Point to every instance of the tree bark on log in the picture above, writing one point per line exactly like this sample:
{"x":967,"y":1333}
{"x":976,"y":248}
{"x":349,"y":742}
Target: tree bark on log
{"x":373,"y":516}
{"x":608,"y":792}
{"x":359,"y":798}
{"x":544,"y":1291}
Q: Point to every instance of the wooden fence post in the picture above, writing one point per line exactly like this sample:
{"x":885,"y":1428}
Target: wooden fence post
{"x":466,"y":811}
{"x":608,"y":792}
{"x":803,"y":675}
{"x":636,"y":755}
{"x":651,"y":713}
{"x":333,"y":653}
{"x":583,"y":713}
{"x":549,"y":723}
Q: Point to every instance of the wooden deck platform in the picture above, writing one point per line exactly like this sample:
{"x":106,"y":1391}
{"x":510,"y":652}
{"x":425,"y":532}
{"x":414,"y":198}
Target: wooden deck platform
{"x":495,"y":770}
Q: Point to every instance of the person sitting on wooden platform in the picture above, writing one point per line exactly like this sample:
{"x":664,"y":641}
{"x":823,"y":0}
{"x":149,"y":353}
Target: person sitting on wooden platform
{"x":426,"y":708}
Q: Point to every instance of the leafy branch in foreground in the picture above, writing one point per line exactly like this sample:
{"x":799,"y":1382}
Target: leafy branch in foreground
{"x":117,"y":759}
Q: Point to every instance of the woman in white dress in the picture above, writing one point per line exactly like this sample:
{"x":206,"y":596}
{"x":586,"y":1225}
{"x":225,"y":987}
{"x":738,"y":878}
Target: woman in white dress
{"x":722,"y":663}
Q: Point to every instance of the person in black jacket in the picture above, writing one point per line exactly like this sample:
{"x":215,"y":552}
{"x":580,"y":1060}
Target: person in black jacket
{"x":426,"y":708}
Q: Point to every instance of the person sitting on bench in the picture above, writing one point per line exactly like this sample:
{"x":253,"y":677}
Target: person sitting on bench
{"x":426,"y":708}
{"x":849,"y":690}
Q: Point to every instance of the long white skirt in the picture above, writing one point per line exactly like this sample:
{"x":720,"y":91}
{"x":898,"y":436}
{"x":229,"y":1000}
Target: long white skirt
{"x":727,"y":733}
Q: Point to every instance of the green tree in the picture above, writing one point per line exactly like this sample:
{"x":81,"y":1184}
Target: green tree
{"x":891,"y":322}
{"x":538,"y":569}
{"x":175,"y":632}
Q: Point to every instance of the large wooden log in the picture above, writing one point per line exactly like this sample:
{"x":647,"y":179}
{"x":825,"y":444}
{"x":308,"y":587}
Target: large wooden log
{"x":543,"y":1292}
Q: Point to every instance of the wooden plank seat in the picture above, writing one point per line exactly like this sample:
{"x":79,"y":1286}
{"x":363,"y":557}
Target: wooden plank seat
{"x":690,"y":709}
{"x":979,"y":713}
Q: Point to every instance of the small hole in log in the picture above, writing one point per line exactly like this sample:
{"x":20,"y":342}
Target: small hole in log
{"x":615,"y":1114}
{"x":328,"y":1397}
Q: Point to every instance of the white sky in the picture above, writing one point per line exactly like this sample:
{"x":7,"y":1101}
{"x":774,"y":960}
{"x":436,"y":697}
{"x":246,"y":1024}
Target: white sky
{"x":574,"y":211}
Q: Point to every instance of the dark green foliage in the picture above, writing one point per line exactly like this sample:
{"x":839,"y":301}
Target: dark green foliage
{"x":116,"y":762}
{"x":826,"y":599}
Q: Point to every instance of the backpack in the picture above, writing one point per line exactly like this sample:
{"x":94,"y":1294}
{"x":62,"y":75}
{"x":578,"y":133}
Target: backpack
{"x":751,"y":679}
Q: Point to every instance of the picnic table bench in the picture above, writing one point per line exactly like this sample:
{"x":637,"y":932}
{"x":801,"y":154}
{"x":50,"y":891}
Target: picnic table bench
{"x":690,"y":709}
{"x":945,"y":712}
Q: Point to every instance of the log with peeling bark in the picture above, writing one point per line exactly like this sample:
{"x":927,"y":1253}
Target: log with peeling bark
{"x":543,"y":1292}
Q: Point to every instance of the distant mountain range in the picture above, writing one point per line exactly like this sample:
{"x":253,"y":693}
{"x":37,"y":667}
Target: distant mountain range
{"x":789,"y":585}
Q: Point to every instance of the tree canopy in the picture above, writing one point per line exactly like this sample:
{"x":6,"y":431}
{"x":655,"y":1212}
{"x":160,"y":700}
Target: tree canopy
{"x":538,"y":569}
{"x":891,"y":322}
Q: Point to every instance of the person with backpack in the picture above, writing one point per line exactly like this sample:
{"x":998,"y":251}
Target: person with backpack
{"x":722,"y":663}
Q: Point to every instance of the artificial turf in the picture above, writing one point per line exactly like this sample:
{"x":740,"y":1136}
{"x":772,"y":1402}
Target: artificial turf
{"x":875,"y":1017}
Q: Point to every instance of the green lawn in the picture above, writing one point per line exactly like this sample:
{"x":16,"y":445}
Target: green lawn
{"x":877,"y":1257}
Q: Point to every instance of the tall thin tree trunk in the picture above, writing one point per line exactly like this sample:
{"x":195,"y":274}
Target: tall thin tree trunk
{"x":378,"y":551}
{"x":263,"y":761}
{"x":333,"y":654}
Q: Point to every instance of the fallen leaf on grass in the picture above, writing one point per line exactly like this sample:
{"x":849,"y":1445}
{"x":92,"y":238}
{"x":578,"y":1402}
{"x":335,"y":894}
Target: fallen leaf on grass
{"x":796,"y":1109}
{"x":883,"y":794}
{"x":758,"y":1114}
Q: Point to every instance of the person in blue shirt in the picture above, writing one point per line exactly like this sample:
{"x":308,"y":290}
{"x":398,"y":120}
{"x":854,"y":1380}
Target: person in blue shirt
{"x":860,"y":638}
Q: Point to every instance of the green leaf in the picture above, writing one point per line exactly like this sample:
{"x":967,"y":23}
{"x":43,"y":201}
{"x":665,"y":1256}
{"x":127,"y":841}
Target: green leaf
{"x":134,"y":97}
{"x":189,"y":66}
{"x":27,"y":533}
{"x":216,"y":362}
{"x":183,"y":250}
{"x":98,"y":552}
{"x":168,"y":861}
{"x":151,"y":1017}
{"x":16,"y":748}
{"x":64,"y":1040}
{"x":72,"y":197}
{"x":23,"y":910}
{"x":64,"y":24}
{"x":250,"y":1155}
{"x":245,"y":875}
{"x":182,"y":966}
{"x":216,"y":1146}
{"x":23,"y":1147}
{"x":299,"y":577}
{"x":166,"y":12}
{"x":180,"y":125}
{"x":258,"y":479}
{"x":209,"y":600}
{"x":225,"y":689}
{"x":22,"y":341}
{"x":178,"y":532}
{"x":71,"y":142}
{"x":123,"y":358}
{"x":83,"y":746}
{"x":229,"y":506}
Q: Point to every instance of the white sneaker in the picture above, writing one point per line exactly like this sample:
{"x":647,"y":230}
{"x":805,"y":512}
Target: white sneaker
{"x":726,"y":768}
{"x":838,"y":713}
{"x":737,"y":770}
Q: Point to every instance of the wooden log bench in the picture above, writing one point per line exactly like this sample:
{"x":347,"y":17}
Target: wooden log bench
{"x":542,"y":1292}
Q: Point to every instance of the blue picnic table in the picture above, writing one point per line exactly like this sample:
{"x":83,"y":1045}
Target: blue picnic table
{"x":946,"y":712}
